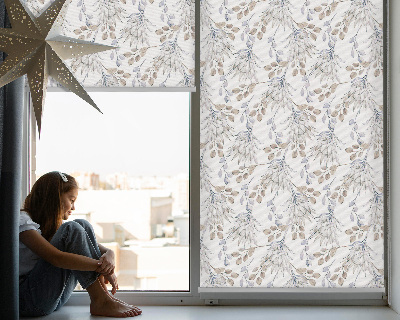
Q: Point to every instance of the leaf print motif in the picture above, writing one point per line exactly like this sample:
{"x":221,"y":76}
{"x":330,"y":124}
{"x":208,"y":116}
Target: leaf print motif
{"x":277,"y":261}
{"x":297,"y":281}
{"x":170,"y":58}
{"x":327,"y":145}
{"x":137,"y":29}
{"x":359,"y":176}
{"x":327,"y":65}
{"x":298,"y":211}
{"x":205,"y":175}
{"x":301,"y":129}
{"x":245,"y":64}
{"x":108,"y":14}
{"x":327,"y":229}
{"x":245,"y":147}
{"x":376,"y":214}
{"x":376,"y":53}
{"x":376,"y":129}
{"x":216,"y":129}
{"x":87,"y":64}
{"x":278,"y":94}
{"x":360,"y":258}
{"x":300,"y":46}
{"x":215,"y":47}
{"x":277,"y":176}
{"x":187,"y":7}
{"x":361,"y":95}
{"x":218,"y":211}
{"x":361,"y":13}
{"x":278,"y":14}
{"x":245,"y":230}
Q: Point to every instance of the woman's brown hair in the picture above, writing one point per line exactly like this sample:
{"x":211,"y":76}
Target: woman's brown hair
{"x":43,"y":203}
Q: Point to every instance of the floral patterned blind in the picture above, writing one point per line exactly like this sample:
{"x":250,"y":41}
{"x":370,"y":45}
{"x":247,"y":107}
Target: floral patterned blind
{"x":292,"y":143}
{"x":154,"y":40}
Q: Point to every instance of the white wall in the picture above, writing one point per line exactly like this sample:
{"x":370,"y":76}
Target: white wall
{"x":394,"y":70}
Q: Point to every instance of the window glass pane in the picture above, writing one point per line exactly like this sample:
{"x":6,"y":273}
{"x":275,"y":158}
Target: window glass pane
{"x":132,"y":166}
{"x":292,"y":144}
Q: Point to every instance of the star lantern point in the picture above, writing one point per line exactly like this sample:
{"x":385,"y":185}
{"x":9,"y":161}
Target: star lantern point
{"x":35,"y":47}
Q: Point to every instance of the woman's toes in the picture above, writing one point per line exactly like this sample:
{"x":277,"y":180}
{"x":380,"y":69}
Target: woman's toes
{"x":128,"y":314}
{"x":134,"y":312}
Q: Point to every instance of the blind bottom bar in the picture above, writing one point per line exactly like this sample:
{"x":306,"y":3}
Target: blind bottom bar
{"x":293,"y":293}
{"x":127,"y":89}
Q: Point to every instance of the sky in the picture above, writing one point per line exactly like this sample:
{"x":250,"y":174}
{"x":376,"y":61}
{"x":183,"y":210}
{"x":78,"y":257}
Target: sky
{"x":140,"y":133}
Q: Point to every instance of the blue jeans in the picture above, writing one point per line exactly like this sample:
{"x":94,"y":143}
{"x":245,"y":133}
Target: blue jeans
{"x":46,"y":288}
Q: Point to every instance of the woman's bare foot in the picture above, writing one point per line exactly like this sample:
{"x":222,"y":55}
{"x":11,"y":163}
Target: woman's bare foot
{"x":103,"y":284}
{"x":102,"y":304}
{"x":111,"y":308}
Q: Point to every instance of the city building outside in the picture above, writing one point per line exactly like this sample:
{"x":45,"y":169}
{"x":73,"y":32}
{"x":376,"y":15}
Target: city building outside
{"x":145,"y":220}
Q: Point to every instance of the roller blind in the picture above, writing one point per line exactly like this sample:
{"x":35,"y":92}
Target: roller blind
{"x":292,"y":144}
{"x":154,"y":40}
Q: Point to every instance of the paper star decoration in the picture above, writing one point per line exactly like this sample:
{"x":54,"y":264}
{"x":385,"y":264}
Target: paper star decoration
{"x":35,"y":47}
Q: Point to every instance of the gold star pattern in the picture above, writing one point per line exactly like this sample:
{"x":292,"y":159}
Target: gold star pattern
{"x":35,"y":47}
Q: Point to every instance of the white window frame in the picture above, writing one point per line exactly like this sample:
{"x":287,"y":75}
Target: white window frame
{"x":151,"y":297}
{"x":231,"y":296}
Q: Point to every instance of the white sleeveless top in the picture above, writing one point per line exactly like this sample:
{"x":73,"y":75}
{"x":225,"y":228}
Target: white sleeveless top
{"x":27,"y":258}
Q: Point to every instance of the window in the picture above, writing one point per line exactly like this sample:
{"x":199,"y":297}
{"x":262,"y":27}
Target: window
{"x":132,"y":166}
{"x":219,"y":163}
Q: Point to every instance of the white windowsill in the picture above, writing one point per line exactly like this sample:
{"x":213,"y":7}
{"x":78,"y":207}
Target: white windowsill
{"x":248,"y":297}
{"x":239,"y":313}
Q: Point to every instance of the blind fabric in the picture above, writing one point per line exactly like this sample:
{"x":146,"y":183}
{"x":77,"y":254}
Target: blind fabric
{"x":292,"y":143}
{"x":154,"y":40}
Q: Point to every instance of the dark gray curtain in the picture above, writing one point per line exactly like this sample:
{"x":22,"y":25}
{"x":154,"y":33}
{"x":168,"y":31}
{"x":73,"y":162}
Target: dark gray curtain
{"x":11,"y":111}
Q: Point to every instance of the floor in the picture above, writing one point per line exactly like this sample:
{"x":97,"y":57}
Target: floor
{"x":238,"y":312}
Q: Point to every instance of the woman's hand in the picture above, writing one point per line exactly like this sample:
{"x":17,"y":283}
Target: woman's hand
{"x":107,"y":263}
{"x":112,"y":279}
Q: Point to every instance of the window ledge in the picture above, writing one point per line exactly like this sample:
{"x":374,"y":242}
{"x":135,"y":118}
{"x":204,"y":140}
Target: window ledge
{"x":240,"y":312}
{"x":248,"y":297}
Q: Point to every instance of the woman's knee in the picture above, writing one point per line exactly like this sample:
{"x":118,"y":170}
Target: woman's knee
{"x":71,"y":226}
{"x":65,"y":233}
{"x":85,"y":225}
{"x":72,"y":237}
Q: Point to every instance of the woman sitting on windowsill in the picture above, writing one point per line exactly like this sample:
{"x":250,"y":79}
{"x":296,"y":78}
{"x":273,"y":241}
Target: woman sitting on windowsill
{"x":54,"y":256}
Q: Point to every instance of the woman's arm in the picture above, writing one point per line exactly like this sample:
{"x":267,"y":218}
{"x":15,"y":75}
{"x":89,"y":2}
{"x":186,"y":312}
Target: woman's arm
{"x":107,"y":260}
{"x":65,"y":260}
{"x":108,"y":264}
{"x":103,"y":249}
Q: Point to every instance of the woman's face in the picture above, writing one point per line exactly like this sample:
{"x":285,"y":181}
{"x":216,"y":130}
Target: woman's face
{"x":68,"y":203}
